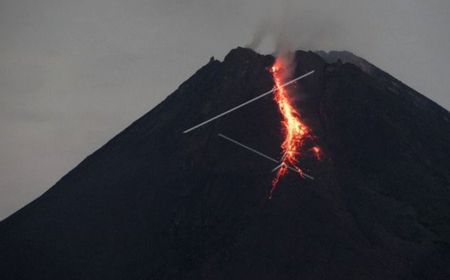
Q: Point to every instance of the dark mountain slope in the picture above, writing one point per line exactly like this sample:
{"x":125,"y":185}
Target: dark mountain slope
{"x":154,"y":203}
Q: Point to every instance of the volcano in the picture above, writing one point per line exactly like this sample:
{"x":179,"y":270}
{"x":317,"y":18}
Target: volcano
{"x":154,"y":203}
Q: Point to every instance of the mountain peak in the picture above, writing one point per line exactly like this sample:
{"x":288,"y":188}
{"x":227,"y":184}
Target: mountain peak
{"x":154,"y":203}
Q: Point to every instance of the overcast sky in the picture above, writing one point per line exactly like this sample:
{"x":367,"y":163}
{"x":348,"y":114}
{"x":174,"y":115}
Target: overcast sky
{"x":73,"y":73}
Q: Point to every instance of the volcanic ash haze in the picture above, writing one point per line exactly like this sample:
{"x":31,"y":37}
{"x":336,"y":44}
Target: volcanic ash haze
{"x":154,"y":203}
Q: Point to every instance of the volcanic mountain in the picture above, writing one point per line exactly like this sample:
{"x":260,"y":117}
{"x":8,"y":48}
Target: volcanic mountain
{"x":154,"y":203}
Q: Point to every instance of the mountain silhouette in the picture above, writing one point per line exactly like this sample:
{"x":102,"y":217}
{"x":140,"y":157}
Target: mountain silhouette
{"x":154,"y":203}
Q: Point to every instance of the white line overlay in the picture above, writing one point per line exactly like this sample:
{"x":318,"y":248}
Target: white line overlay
{"x":263,"y":155}
{"x":248,"y":102}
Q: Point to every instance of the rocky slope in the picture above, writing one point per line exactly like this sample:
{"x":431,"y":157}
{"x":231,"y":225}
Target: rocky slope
{"x":154,"y":203}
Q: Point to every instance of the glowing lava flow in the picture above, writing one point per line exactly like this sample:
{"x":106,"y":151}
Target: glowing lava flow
{"x":294,"y":130}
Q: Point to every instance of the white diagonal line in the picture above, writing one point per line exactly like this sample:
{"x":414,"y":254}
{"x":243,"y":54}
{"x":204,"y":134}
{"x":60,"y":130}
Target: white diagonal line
{"x":263,"y":155}
{"x":247,"y":102}
{"x":277,"y":167}
{"x":248,"y":148}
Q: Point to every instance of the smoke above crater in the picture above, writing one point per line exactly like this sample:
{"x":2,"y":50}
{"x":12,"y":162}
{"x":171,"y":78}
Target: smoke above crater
{"x":89,"y":68}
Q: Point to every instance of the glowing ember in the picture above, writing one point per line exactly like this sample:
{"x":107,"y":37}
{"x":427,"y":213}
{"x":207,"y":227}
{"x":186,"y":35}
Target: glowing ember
{"x":317,"y":152}
{"x":294,"y":130}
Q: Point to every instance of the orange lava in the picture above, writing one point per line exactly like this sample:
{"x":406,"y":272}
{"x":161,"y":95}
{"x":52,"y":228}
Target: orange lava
{"x":294,"y":130}
{"x":317,"y":152}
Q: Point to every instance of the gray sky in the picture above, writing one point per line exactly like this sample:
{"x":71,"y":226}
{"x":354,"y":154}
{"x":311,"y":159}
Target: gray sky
{"x":75,"y":73}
